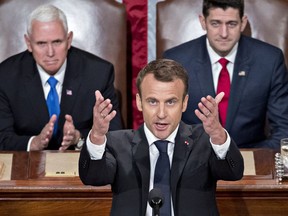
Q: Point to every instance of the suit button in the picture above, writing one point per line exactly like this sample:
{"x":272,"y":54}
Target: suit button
{"x":232,"y":163}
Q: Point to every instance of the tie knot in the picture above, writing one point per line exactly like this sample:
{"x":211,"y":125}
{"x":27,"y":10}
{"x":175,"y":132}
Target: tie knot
{"x":52,"y":82}
{"x":161,"y":145}
{"x":223,"y":62}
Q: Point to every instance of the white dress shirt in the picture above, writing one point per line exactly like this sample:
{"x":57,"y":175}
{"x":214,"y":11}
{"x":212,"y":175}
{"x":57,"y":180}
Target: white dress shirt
{"x":216,"y":66}
{"x":44,"y":76}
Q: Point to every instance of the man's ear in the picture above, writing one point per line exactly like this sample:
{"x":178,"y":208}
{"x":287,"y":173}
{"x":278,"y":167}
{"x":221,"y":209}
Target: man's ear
{"x":202,"y":22}
{"x":244,"y":23}
{"x":28,"y":42}
{"x":185,"y":103}
{"x":70,"y":38}
{"x":138,"y":102}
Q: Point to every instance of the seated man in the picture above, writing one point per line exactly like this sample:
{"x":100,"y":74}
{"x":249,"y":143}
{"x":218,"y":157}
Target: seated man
{"x":136,"y":161}
{"x":254,"y":76}
{"x":34,"y":113}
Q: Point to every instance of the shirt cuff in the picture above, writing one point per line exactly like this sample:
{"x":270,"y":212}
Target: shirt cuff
{"x":221,"y":150}
{"x":95,"y":151}
{"x":29,"y":143}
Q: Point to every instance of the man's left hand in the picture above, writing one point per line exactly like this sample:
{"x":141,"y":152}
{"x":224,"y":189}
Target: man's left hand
{"x":208,"y":114}
{"x":70,"y":134}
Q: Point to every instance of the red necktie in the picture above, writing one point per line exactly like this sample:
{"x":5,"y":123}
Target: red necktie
{"x":223,"y":86}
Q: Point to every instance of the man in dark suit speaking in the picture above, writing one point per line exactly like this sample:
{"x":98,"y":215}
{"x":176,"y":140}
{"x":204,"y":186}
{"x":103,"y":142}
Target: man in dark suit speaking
{"x":254,"y":78}
{"x":36,"y":114}
{"x":136,"y":161}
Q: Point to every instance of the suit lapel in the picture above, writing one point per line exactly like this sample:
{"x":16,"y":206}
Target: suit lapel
{"x":240,"y":77}
{"x":203,"y":69}
{"x":33,"y":90}
{"x":71,"y":85}
{"x":140,"y":150}
{"x":183,"y":146}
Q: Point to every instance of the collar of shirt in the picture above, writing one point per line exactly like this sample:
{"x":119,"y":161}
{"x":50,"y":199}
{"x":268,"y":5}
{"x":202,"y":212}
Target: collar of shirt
{"x":44,"y":76}
{"x":214,"y":57}
{"x":151,"y":138}
{"x":216,"y":66}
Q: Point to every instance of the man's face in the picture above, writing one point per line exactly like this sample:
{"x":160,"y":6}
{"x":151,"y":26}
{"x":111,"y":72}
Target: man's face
{"x":223,"y":28}
{"x":49,"y":44}
{"x":162,"y":105}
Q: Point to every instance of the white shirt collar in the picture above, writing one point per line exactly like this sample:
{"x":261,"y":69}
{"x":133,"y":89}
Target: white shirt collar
{"x":151,"y":138}
{"x":214,"y":57}
{"x":59,"y":75}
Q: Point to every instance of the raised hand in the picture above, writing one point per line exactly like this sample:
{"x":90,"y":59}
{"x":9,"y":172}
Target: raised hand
{"x":208,"y":114}
{"x":102,"y":115}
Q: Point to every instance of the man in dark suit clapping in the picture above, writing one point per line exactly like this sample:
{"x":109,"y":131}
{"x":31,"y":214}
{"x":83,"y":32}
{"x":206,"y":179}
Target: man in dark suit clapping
{"x":27,"y":122}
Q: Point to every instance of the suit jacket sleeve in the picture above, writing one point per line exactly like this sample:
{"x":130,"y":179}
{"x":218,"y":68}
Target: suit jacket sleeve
{"x":13,"y":101}
{"x":277,"y":107}
{"x":229,"y":169}
{"x":96,"y":172}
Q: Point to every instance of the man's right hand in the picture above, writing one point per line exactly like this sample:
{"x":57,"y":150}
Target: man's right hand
{"x":102,"y":115}
{"x":41,"y":141}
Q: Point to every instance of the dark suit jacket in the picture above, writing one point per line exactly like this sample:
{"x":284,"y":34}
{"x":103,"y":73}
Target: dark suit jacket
{"x":194,"y":172}
{"x":261,"y":94}
{"x":23,"y":110}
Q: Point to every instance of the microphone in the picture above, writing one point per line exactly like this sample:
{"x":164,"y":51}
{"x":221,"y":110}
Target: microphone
{"x":156,"y":200}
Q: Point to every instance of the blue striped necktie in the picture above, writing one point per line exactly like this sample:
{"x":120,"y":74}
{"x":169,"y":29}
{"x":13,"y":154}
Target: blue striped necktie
{"x":53,"y":101}
{"x":162,"y":176}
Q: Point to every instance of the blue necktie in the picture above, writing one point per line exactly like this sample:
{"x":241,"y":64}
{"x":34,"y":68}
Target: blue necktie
{"x":53,"y":101}
{"x":162,"y":176}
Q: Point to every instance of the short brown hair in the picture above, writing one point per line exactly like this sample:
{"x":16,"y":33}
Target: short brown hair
{"x":164,"y":70}
{"x":224,"y":4}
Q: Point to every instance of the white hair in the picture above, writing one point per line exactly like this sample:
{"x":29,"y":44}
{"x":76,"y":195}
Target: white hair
{"x":46,"y":13}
